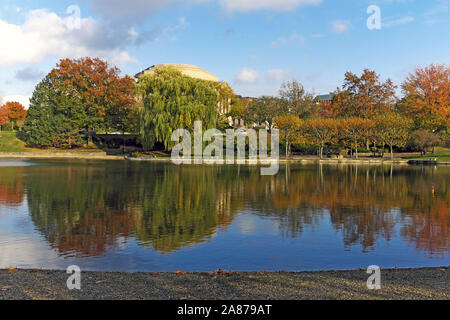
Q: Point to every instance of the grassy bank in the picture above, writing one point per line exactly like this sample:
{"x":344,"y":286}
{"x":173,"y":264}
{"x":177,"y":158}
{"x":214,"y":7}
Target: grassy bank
{"x":442,"y":156}
{"x":404,"y":284}
{"x":10,"y":143}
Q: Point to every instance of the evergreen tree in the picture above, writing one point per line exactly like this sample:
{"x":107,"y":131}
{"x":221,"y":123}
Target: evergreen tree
{"x":54,"y":119}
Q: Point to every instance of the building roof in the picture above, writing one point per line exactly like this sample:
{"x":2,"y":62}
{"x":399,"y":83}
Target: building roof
{"x":325,"y":97}
{"x":187,"y":70}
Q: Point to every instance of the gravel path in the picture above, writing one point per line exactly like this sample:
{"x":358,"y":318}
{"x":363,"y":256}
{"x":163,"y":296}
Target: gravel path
{"x":427,"y":283}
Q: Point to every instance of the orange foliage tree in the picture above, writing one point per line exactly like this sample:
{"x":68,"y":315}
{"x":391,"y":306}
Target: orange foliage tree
{"x":355,"y":131}
{"x":3,"y":116}
{"x":107,"y":97}
{"x":365,"y":96}
{"x":289,"y":127}
{"x":427,"y":97}
{"x":16,"y":112}
{"x":321,"y":132}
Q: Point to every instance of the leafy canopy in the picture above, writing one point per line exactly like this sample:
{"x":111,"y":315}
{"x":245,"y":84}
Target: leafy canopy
{"x":170,"y":101}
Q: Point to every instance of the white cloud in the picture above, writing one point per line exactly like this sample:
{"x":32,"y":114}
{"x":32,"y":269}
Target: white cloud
{"x":247,"y":76}
{"x":251,"y":76}
{"x":45,"y":34}
{"x":277,"y":5}
{"x":340,"y":26}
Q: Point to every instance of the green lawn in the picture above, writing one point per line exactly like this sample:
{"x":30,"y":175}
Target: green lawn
{"x":10,"y":143}
{"x":441,"y":156}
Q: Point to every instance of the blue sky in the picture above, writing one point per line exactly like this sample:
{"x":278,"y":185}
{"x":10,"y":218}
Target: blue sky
{"x":252,"y":44}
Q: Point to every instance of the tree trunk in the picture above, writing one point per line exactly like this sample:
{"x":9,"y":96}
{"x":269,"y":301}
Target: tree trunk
{"x":356,"y":152}
{"x":287,"y":149}
{"x":392,"y":153}
{"x":321,"y":152}
{"x":89,"y":137}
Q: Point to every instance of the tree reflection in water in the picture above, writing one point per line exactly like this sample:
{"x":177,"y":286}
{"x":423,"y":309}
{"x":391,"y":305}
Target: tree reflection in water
{"x":85,"y":208}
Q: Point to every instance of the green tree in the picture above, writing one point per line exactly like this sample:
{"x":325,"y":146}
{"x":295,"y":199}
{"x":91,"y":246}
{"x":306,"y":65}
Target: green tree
{"x":263,"y":111}
{"x":54,"y":119}
{"x":172,"y":101}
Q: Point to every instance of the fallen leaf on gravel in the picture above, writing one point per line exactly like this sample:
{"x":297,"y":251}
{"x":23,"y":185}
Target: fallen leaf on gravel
{"x":12,"y":268}
{"x":5,"y":288}
{"x":218,"y":272}
{"x":264,"y":272}
{"x":180,"y":272}
{"x":100,"y":281}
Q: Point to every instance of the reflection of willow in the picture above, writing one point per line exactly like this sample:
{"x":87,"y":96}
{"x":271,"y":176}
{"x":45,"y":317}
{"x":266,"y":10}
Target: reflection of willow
{"x":185,"y":205}
{"x":83,"y":209}
{"x":11,"y":185}
{"x":364,"y":202}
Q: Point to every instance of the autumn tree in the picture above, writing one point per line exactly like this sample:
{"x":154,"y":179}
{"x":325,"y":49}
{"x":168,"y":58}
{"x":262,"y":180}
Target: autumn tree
{"x":427,"y":97}
{"x":321,"y":132}
{"x":422,"y":139}
{"x":295,"y":100}
{"x":106,"y":96}
{"x":289,"y":127}
{"x":364,"y":97}
{"x":3,"y":116}
{"x":16,"y":112}
{"x":392,"y":129}
{"x":356,"y":131}
{"x":170,"y":101}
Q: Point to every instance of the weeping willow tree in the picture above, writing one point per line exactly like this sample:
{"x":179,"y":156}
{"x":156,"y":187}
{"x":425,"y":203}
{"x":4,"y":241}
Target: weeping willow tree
{"x":169,"y":101}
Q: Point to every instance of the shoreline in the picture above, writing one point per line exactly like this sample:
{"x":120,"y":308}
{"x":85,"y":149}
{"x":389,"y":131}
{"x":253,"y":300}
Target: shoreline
{"x":396,"y":284}
{"x":103,"y":156}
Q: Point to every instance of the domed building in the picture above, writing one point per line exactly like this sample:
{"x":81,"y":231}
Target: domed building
{"x":187,"y":70}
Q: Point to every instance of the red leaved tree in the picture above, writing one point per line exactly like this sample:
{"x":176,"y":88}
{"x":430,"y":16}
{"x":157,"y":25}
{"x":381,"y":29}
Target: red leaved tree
{"x":106,"y":96}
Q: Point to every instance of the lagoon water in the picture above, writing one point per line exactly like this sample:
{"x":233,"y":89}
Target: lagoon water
{"x":157,"y":217}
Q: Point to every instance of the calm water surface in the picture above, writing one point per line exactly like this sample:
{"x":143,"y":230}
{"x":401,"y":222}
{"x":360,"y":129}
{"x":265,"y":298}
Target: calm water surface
{"x":161,"y":217}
